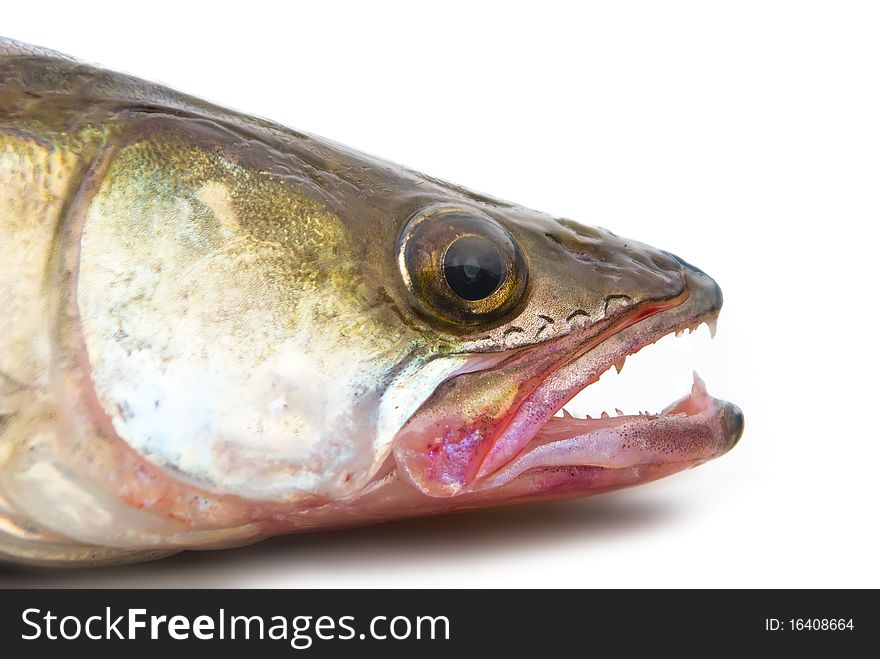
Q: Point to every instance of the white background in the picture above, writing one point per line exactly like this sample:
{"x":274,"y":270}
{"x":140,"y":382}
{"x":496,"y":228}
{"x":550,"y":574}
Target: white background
{"x":744,"y":137}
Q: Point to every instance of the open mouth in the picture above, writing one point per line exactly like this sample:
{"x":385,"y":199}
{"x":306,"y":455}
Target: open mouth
{"x":478,"y":432}
{"x":686,"y":433}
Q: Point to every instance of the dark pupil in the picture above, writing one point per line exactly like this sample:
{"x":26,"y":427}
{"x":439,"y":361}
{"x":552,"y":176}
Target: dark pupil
{"x":473,"y":268}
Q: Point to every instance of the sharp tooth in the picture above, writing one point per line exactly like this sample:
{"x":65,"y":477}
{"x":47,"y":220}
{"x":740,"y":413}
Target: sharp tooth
{"x":712,"y":324}
{"x":589,"y":417}
{"x":566,"y":414}
{"x":619,"y":412}
{"x":699,"y":387}
{"x":604,"y":415}
{"x":679,"y":332}
{"x":619,"y":364}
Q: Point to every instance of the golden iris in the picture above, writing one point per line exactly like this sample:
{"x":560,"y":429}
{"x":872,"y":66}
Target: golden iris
{"x":461,"y":266}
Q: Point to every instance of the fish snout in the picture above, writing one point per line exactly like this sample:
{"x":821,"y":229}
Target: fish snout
{"x":703,"y":290}
{"x":733,"y":423}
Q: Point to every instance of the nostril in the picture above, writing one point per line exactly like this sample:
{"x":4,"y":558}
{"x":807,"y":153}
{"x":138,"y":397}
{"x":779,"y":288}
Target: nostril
{"x":665,"y":261}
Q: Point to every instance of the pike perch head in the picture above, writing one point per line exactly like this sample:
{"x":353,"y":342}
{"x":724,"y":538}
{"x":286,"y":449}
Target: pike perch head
{"x":222,"y":329}
{"x":542,"y":307}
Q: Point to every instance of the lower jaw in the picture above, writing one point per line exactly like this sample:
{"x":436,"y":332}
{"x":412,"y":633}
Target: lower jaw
{"x":625,"y":450}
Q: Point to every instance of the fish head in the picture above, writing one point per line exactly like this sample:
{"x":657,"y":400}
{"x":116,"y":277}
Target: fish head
{"x":243,"y":330}
{"x":539,"y":307}
{"x":301,"y":322}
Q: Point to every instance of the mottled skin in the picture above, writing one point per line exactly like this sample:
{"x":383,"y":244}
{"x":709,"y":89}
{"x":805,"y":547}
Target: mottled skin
{"x":206,"y":336}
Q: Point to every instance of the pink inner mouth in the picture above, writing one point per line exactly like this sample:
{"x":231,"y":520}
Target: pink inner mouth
{"x":688,"y":431}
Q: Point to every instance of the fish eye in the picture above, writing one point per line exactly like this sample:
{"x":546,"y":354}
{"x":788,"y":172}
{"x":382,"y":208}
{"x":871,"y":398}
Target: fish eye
{"x":473,"y":267}
{"x":461,"y":266}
